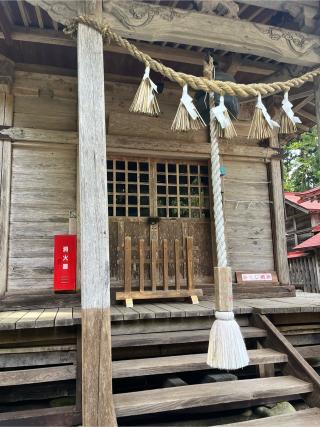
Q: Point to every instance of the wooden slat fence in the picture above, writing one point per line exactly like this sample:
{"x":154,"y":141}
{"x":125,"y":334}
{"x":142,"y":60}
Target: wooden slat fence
{"x":159,"y":282}
{"x":305,"y":272}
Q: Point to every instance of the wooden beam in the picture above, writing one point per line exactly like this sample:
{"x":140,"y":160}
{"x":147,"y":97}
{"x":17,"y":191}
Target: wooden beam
{"x":280,"y":5}
{"x":97,"y":404}
{"x":317,"y":106}
{"x":254,"y":67}
{"x":34,"y":35}
{"x":308,"y":116}
{"x":5,"y":23}
{"x":296,"y":365}
{"x":279,"y":231}
{"x":6,"y":119}
{"x":299,"y":95}
{"x":151,"y":22}
{"x":141,"y":146}
{"x":302,"y":103}
{"x":39,"y":16}
{"x":23,"y":13}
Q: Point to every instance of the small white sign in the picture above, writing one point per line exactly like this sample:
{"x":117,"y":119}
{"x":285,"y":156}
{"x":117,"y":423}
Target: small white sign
{"x":257,"y":277}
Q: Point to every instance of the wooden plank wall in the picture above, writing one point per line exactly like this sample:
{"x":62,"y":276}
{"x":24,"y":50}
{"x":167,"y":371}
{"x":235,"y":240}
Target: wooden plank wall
{"x":248,"y":219}
{"x":43,"y":180}
{"x":44,"y":176}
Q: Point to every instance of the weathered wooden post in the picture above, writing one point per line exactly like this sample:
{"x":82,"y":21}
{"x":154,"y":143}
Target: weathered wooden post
{"x":97,"y":400}
{"x":316,"y":84}
{"x":279,"y":229}
{"x":6,"y":118}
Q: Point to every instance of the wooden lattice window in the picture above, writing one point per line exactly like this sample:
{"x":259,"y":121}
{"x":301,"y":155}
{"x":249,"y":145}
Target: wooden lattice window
{"x":128,"y":188}
{"x":182,"y":190}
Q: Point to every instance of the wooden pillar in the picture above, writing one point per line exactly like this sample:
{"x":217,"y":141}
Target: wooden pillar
{"x":97,"y":400}
{"x":279,"y":229}
{"x":316,"y":84}
{"x":6,"y":119}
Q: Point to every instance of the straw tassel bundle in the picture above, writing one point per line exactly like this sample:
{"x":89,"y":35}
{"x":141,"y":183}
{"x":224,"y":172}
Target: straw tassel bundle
{"x":223,"y":121}
{"x":145,"y":101}
{"x":262,"y":125}
{"x":287,"y":126}
{"x":288,"y":120}
{"x":187,"y":116}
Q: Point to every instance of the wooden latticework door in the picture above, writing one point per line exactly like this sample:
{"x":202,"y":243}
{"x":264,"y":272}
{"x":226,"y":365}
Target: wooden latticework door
{"x":156,"y":200}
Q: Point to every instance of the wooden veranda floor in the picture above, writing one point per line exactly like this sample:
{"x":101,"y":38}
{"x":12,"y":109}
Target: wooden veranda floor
{"x":64,"y":310}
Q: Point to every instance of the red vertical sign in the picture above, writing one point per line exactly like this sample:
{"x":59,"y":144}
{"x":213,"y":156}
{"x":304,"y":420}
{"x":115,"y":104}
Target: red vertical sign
{"x":65,"y":263}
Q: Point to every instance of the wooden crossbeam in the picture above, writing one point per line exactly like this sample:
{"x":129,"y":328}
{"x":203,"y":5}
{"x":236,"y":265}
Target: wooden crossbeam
{"x":39,"y":16}
{"x":5,"y":23}
{"x":199,"y":29}
{"x":304,"y":102}
{"x":23,"y":13}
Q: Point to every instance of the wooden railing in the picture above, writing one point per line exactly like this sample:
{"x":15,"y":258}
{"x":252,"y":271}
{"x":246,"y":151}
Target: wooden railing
{"x":158,"y":289}
{"x":305,"y":272}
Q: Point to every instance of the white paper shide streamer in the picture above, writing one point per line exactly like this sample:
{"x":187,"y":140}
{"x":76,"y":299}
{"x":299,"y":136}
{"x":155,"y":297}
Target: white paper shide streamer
{"x":272,"y":124}
{"x":288,"y":120}
{"x":219,"y":113}
{"x":145,"y":101}
{"x":187,"y":116}
{"x":225,"y":125}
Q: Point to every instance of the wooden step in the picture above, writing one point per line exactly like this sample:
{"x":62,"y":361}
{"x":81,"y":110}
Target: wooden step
{"x":309,"y":351}
{"x":307,"y":417}
{"x":62,"y":416}
{"x":242,"y":393}
{"x":158,"y":338}
{"x":39,"y":375}
{"x":184,"y":363}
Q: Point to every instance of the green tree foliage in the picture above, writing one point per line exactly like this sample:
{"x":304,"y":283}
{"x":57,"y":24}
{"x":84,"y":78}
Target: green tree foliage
{"x":301,"y":163}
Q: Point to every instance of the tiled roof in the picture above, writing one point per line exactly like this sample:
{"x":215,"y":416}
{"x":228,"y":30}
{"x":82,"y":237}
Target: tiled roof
{"x":297,"y":200}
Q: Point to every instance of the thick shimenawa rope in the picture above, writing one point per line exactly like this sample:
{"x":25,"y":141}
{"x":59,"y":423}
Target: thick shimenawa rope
{"x":215,"y":174}
{"x":216,"y":188}
{"x":198,"y":83}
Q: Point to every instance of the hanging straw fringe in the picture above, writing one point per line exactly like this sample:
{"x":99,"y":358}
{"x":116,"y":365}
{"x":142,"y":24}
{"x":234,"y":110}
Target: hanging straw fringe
{"x":223,"y":121}
{"x":262,"y":124}
{"x":187,"y":116}
{"x":226,"y":349}
{"x":145,"y":101}
{"x":288,"y":120}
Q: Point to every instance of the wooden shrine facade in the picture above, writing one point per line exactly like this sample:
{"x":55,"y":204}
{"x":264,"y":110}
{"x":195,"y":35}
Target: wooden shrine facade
{"x":151,"y":172}
{"x":70,"y":149}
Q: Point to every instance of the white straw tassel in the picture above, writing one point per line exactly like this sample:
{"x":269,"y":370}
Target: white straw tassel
{"x":262,"y":124}
{"x":288,"y":120}
{"x":145,"y":101}
{"x":187,"y":116}
{"x":272,"y":124}
{"x":227,"y":349}
{"x":225,"y":125}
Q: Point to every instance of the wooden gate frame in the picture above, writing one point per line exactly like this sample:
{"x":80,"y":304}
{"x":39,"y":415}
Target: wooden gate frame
{"x":128,"y":295}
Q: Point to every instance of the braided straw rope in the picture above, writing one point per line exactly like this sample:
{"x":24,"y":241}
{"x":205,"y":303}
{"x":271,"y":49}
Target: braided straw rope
{"x":216,"y":188}
{"x":208,"y":71}
{"x":198,"y":83}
